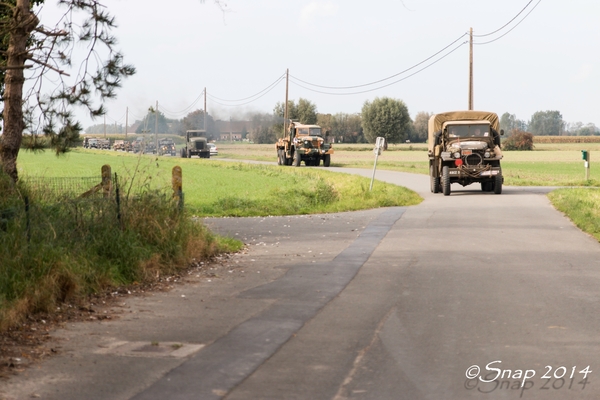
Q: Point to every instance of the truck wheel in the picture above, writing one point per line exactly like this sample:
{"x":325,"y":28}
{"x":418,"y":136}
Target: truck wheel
{"x":297,"y":159}
{"x":317,"y":162}
{"x":183,"y":155}
{"x":327,"y":160}
{"x":498,"y":184}
{"x":446,"y":181}
{"x":434,"y":181}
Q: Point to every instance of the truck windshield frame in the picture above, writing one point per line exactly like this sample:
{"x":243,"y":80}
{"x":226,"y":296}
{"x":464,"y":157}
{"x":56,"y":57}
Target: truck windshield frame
{"x":469,"y":130}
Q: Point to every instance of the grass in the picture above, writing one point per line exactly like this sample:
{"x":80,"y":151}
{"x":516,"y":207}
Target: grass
{"x":581,"y":205}
{"x":548,"y":165}
{"x":213,"y":188}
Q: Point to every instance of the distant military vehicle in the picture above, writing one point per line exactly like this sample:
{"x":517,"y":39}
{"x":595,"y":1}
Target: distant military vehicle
{"x":166,"y":147}
{"x":90,"y":143}
{"x":195,"y":144}
{"x":304,"y":143}
{"x":464,"y":148}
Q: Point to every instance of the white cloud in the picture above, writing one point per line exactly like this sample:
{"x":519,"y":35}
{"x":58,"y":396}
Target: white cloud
{"x":314,"y":10}
{"x":584,"y":72}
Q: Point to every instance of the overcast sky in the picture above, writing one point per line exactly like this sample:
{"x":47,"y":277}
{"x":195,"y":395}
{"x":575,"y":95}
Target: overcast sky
{"x":549,"y":61}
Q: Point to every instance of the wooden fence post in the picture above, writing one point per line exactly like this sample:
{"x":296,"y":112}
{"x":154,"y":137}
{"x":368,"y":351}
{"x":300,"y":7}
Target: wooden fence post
{"x":177,"y":182}
{"x":106,"y":180}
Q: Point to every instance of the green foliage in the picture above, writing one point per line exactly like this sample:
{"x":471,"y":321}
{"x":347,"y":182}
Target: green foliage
{"x":420,"y":131}
{"x":347,"y":128}
{"x":386,"y":117}
{"x":518,"y":140}
{"x":66,"y":247}
{"x":546,"y":123}
{"x":149,"y":123}
{"x":304,"y":112}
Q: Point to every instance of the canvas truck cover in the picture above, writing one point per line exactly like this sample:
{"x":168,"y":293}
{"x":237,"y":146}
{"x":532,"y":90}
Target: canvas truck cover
{"x":437,"y":121}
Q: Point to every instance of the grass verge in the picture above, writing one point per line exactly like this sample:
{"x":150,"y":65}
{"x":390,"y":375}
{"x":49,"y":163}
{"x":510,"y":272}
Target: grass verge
{"x":581,"y":205}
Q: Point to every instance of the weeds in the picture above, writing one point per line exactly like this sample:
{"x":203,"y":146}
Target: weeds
{"x":64,"y":248}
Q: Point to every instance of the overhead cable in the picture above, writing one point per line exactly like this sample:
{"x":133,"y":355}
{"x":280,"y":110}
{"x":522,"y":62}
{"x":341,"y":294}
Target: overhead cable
{"x":293,"y":80}
{"x":510,"y":30}
{"x":254,"y":97}
{"x":384,"y":79}
{"x":508,"y":23}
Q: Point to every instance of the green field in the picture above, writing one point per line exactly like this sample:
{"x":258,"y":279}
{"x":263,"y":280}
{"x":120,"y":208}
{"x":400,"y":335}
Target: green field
{"x":213,"y":188}
{"x":548,"y":165}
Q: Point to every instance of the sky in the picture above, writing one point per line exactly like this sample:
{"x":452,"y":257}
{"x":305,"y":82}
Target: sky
{"x":547,"y":58}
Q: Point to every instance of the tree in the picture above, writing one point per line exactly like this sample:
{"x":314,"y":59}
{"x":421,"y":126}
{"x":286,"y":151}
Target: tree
{"x":508,"y":122}
{"x":46,"y":53}
{"x":304,"y":112}
{"x":347,"y":128}
{"x":195,"y":120}
{"x":518,"y":140}
{"x":148,"y":126}
{"x":546,"y":123}
{"x":264,"y":128}
{"x":420,"y":131}
{"x":387,"y":118}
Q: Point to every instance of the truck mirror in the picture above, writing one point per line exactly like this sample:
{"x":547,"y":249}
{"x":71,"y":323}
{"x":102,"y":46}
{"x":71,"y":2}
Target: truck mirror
{"x":501,"y":132}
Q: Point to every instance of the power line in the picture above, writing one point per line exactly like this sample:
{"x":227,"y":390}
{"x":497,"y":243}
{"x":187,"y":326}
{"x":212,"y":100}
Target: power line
{"x":504,"y":26}
{"x":384,"y":79}
{"x":510,"y":30}
{"x":185,"y":110}
{"x":255,"y":96}
{"x":386,"y":85}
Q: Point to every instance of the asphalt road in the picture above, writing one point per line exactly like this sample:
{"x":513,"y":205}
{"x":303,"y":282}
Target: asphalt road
{"x":398,"y":303}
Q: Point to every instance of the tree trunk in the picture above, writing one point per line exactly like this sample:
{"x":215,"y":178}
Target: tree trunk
{"x":22,"y":24}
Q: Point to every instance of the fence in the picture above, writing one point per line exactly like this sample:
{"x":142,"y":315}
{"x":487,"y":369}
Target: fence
{"x":82,"y":203}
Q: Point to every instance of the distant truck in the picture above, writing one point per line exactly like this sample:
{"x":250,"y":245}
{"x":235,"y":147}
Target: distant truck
{"x":464,"y":148}
{"x":195,"y":144}
{"x":166,"y":147}
{"x":304,"y":143}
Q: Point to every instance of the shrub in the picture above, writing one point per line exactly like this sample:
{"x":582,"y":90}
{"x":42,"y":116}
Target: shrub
{"x":519,"y":140}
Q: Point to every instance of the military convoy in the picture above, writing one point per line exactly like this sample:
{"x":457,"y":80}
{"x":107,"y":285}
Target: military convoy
{"x":304,"y":143}
{"x":464,"y":148}
{"x":195,"y":144}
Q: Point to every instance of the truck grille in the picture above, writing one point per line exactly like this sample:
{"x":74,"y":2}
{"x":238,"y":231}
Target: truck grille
{"x":473,"y":159}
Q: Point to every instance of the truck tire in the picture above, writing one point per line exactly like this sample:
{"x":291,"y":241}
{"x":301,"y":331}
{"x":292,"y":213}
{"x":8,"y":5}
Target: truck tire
{"x":183,"y":155}
{"x":434,"y":181}
{"x":498,"y":184}
{"x":446,"y":180}
{"x":297,"y":159}
{"x":327,"y":160}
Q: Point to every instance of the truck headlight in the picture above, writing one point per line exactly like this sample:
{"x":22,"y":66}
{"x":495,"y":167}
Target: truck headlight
{"x":487,"y":154}
{"x":457,"y":155}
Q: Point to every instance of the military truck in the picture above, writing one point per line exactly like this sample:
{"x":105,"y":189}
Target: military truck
{"x":90,"y":143}
{"x":304,"y":143}
{"x":166,"y":147}
{"x":195,"y":144}
{"x":464,"y":147}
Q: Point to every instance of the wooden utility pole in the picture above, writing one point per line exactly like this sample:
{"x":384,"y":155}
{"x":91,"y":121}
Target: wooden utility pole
{"x":471,"y":69}
{"x":126,"y":121}
{"x":104,"y":126}
{"x":205,"y":111}
{"x":285,"y":109}
{"x":156,"y":127}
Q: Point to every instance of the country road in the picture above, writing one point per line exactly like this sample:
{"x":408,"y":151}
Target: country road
{"x":397,"y":303}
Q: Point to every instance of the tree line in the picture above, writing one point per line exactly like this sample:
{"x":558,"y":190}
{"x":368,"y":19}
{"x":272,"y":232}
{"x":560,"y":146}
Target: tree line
{"x":546,"y":123}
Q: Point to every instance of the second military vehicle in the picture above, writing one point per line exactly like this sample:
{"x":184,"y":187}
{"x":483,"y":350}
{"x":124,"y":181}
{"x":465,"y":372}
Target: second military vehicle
{"x":304,"y":143}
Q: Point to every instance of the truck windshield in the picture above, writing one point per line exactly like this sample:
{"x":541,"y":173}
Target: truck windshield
{"x":475,"y":130}
{"x":315,"y":131}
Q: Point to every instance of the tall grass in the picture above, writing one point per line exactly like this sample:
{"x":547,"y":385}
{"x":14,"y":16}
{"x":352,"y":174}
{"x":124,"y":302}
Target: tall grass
{"x":65,"y":247}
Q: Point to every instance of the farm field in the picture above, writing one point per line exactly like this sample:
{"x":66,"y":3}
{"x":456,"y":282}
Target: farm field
{"x":213,"y":188}
{"x":549,"y":164}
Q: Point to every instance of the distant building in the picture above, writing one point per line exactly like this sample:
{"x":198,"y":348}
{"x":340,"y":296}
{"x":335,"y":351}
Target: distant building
{"x":233,"y":130}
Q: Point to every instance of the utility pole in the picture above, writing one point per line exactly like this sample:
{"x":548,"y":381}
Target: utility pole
{"x":471,"y":69}
{"x":156,"y":128}
{"x":205,"y":111}
{"x":126,"y":120}
{"x":104,"y":126}
{"x":285,"y":109}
